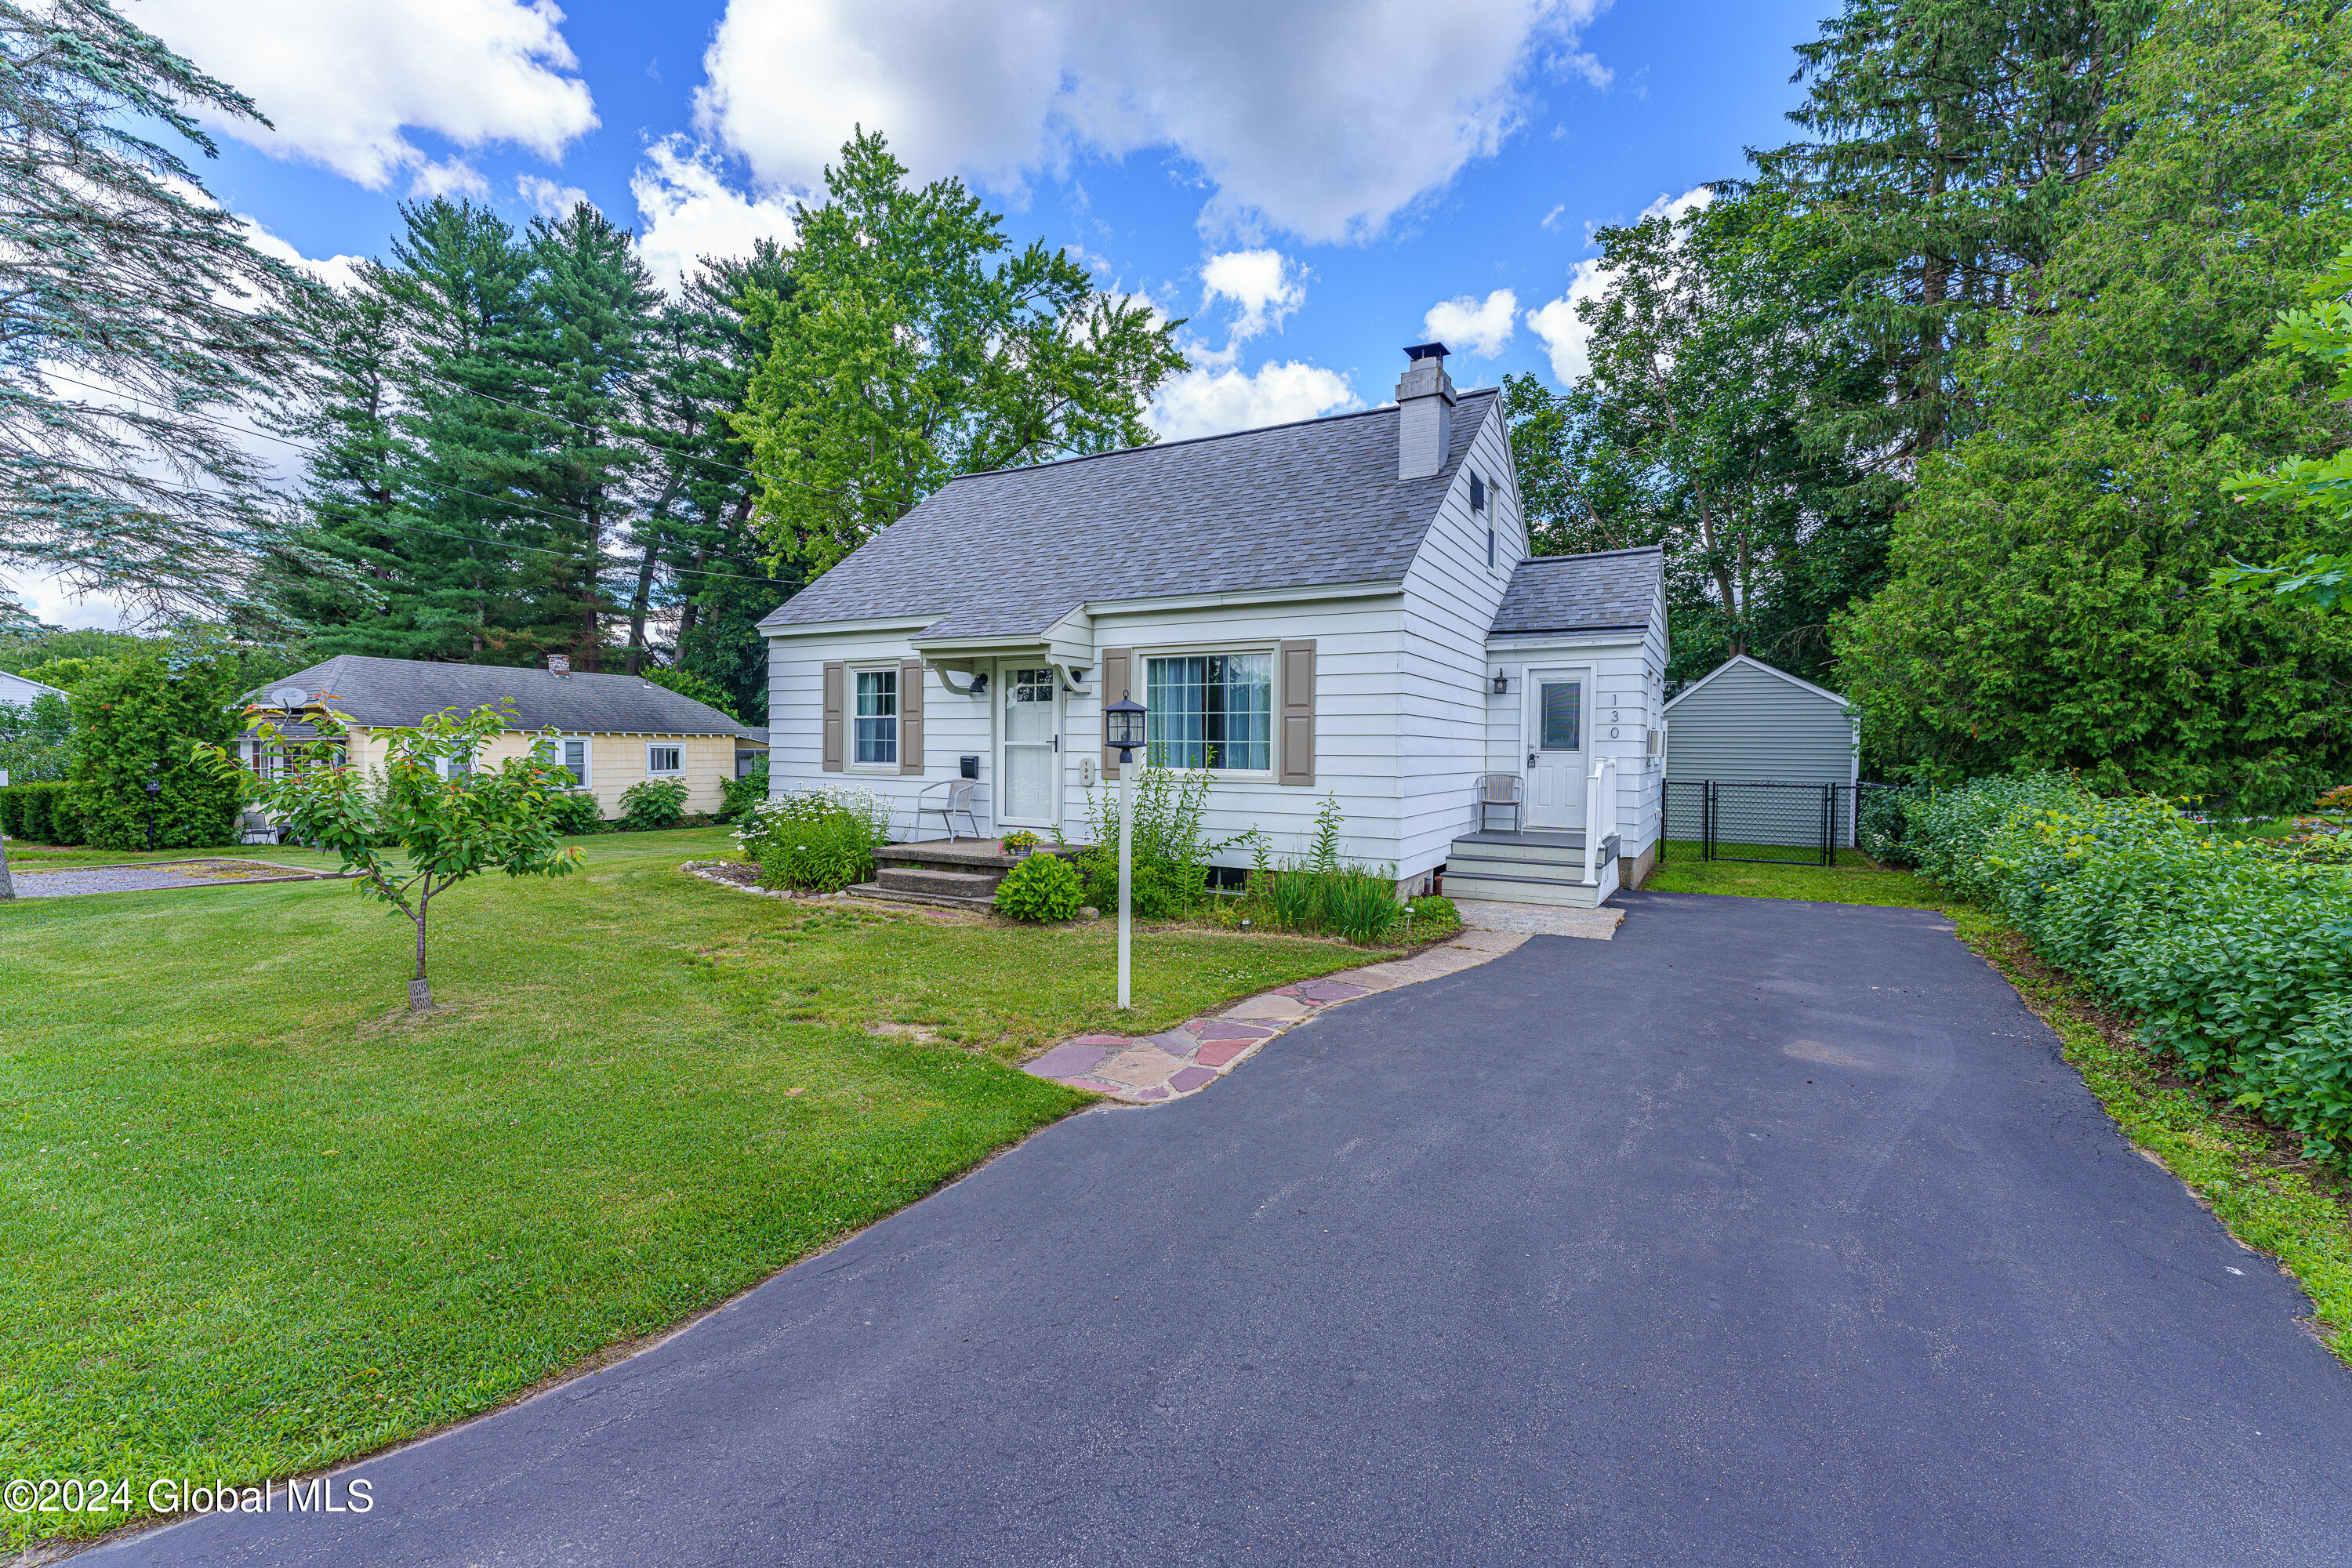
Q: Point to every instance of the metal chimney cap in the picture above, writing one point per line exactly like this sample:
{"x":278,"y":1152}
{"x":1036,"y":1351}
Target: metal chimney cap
{"x":1424,"y":351}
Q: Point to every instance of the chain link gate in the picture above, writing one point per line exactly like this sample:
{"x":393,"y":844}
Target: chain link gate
{"x":1763,"y":823}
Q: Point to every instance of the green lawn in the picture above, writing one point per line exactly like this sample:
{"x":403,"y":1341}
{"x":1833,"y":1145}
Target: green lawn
{"x":257,"y":1219}
{"x":1854,"y":880}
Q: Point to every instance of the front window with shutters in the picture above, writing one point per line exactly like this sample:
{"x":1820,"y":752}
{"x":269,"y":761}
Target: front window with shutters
{"x":1210,"y":710}
{"x":874,"y":725}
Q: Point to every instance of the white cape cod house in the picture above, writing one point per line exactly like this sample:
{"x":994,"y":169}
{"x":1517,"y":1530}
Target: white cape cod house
{"x":1343,"y":607}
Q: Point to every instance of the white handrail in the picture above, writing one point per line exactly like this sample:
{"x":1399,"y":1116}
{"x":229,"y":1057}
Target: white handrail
{"x":1597,"y":790}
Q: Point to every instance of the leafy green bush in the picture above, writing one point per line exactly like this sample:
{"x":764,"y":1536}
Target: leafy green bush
{"x":2238,"y":961}
{"x":820,"y":842}
{"x":737,"y":796}
{"x":36,"y":739}
{"x":1882,"y":822}
{"x":134,"y":721}
{"x":1042,"y":888}
{"x":654,"y":804}
{"x":575,"y":812}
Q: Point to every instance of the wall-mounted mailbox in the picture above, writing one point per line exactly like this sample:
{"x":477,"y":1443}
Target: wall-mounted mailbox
{"x":972,"y":767}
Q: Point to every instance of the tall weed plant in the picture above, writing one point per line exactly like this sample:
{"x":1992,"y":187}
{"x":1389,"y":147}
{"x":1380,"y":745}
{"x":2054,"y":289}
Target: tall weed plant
{"x":2237,"y":958}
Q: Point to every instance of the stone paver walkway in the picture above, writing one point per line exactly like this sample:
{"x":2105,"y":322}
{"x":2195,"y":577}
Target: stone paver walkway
{"x":1188,"y":1058}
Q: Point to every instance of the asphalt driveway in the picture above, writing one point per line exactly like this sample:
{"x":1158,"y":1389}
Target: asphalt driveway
{"x":1766,"y":1233}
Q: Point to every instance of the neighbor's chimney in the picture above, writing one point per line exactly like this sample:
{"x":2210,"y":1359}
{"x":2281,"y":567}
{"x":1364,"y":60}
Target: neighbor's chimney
{"x":1425,"y":413}
{"x":559,"y":664}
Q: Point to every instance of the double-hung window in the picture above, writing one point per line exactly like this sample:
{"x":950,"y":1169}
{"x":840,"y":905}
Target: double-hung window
{"x":875,"y":723}
{"x":569,"y":752}
{"x":1210,"y":710}
{"x":662,"y":762}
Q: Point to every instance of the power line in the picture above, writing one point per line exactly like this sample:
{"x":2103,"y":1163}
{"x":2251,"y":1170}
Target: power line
{"x":413,"y":527}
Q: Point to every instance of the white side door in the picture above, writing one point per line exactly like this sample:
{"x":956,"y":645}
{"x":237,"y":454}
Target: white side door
{"x":1028,"y":745}
{"x":1555,"y":726}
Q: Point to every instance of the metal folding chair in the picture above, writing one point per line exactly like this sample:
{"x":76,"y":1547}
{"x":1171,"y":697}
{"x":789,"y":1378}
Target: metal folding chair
{"x":955,"y":803}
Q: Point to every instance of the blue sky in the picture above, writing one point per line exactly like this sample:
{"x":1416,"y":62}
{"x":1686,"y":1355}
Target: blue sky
{"x":1307,"y":183}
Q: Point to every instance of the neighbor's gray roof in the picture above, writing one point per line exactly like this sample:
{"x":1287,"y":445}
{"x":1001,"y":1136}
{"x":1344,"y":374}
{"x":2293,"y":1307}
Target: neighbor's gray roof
{"x":1008,"y":553}
{"x":1610,"y":591}
{"x":378,"y":692}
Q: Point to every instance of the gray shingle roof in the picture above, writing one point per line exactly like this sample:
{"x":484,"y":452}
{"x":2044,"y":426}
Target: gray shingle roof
{"x":1010,"y":553}
{"x":387,"y":691}
{"x":1611,"y":590}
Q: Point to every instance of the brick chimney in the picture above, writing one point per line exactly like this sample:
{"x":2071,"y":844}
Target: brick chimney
{"x":1425,"y":413}
{"x":559,"y":664}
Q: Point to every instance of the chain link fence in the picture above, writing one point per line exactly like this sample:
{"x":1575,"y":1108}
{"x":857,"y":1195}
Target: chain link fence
{"x":1767,"y":823}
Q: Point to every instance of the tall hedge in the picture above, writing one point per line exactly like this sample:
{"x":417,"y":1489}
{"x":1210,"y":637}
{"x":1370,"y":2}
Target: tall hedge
{"x":2050,"y":605}
{"x":138,"y":719}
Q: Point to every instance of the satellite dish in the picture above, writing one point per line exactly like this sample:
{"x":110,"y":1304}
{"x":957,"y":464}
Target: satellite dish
{"x":290,"y":697}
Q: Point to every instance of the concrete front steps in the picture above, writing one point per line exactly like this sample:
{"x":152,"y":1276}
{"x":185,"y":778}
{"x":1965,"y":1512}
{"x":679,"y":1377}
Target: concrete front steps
{"x":941,"y":873}
{"x":1532,"y":867}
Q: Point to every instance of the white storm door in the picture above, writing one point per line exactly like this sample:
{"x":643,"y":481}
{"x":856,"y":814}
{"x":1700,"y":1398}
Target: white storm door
{"x":1029,"y":761}
{"x":1554,"y":728}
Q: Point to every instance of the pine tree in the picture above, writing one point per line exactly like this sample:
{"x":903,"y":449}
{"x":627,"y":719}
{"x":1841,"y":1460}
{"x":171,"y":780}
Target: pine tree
{"x":1947,"y":134}
{"x":137,"y":316}
{"x":592,"y":303}
{"x":461,"y":284}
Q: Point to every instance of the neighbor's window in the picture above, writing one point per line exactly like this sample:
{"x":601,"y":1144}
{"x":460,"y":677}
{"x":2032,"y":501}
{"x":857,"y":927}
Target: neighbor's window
{"x":878,"y":716}
{"x":663,"y":759}
{"x":1210,"y":710}
{"x":569,"y":752}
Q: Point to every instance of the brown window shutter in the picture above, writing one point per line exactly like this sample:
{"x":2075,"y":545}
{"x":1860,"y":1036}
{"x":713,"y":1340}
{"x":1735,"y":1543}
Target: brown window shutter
{"x":1298,"y":660}
{"x":835,"y":672}
{"x":911,"y":715}
{"x":1117,"y":679}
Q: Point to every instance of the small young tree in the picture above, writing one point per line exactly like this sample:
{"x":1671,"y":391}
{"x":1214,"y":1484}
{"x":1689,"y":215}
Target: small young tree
{"x":450,"y":829}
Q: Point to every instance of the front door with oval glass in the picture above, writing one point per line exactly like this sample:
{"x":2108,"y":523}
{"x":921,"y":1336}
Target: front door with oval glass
{"x":1028,"y":763}
{"x":1554,"y":726}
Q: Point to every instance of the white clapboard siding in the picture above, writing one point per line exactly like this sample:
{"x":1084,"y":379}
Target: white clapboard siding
{"x":953,"y":726}
{"x":1451,"y":597}
{"x":1357,"y":677}
{"x":1748,"y":723}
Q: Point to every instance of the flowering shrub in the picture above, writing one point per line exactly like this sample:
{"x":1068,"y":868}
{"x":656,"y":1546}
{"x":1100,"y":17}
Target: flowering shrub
{"x":2237,"y":959}
{"x":820,"y":840}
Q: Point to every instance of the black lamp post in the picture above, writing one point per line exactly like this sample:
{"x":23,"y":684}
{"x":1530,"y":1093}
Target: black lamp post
{"x":154,"y":788}
{"x":1123,"y":732}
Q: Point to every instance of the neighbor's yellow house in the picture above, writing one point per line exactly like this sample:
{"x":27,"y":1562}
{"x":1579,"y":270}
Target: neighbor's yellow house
{"x":609,"y":731}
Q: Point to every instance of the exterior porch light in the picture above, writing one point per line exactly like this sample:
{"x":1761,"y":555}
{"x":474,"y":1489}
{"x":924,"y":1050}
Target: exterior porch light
{"x":1502,"y":684}
{"x":1123,"y":730}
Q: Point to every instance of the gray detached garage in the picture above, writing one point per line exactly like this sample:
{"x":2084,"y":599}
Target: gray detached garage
{"x":1786,"y":752}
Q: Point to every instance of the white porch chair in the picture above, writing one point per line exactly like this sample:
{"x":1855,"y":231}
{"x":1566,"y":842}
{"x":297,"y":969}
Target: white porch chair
{"x":955,"y":802}
{"x":1502,"y":790}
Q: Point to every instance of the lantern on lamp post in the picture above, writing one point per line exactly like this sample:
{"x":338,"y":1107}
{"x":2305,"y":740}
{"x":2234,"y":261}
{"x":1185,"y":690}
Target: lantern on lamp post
{"x":1123,"y":730}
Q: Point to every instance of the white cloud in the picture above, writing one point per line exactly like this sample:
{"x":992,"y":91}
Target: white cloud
{"x":1264,"y":285}
{"x":1204,"y":401}
{"x":344,"y":81}
{"x":451,"y":177}
{"x":1552,"y":218}
{"x":335,"y":271}
{"x":547,"y":198}
{"x":50,"y":598}
{"x":1466,"y":325}
{"x":1323,"y":118}
{"x":1568,"y":337}
{"x":691,"y":212}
